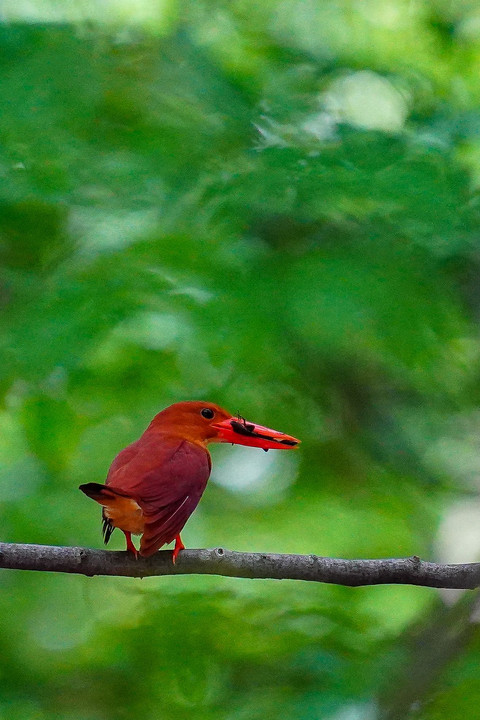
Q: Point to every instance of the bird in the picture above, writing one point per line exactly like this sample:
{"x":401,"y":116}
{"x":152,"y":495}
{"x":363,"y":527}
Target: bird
{"x":155,"y":484}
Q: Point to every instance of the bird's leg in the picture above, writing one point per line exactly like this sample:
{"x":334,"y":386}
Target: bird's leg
{"x":130,"y":545}
{"x":178,"y":546}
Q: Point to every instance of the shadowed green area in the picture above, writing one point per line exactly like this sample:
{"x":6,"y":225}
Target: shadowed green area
{"x":273,"y":206}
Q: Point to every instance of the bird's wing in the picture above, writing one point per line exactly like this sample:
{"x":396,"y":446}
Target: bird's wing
{"x":122,"y":460}
{"x":167,"y":477}
{"x":132,"y":465}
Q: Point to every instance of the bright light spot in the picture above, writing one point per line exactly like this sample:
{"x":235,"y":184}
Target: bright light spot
{"x":384,"y":14}
{"x":458,"y":539}
{"x":321,"y":126}
{"x":100,"y":231}
{"x":457,"y":452}
{"x":262,"y":477}
{"x":469,"y":28}
{"x":198,"y":294}
{"x":366,"y":100}
{"x":154,"y":331}
{"x":364,"y":711}
{"x":457,"y":456}
{"x":113,"y":11}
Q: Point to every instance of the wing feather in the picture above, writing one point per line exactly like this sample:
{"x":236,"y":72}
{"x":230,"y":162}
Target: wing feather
{"x":167,"y":480}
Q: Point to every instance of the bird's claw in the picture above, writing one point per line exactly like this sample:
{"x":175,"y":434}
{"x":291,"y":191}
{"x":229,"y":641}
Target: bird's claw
{"x":130,"y":546}
{"x":178,"y":546}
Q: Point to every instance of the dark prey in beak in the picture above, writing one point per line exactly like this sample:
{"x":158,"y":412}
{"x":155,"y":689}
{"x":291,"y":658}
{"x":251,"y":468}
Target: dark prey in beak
{"x":244,"y":428}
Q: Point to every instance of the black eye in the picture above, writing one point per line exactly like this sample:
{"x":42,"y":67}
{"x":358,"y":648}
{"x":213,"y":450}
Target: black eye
{"x":207,"y":413}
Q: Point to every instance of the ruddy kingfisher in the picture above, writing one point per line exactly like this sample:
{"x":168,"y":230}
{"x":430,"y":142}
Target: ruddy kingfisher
{"x":155,"y":484}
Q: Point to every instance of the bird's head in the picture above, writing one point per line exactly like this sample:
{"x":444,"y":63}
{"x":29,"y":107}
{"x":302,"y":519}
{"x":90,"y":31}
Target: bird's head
{"x":205,"y":422}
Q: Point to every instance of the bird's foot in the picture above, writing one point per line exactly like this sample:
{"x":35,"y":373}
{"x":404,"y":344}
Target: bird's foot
{"x":178,"y":546}
{"x":130,"y":546}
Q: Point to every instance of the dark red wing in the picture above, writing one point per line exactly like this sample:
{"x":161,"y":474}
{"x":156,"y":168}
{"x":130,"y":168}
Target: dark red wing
{"x":163,"y":527}
{"x":122,"y":459}
{"x":167,"y":505}
{"x":131,"y":469}
{"x":167,"y":478}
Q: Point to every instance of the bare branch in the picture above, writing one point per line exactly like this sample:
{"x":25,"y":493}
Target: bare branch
{"x":84,"y":561}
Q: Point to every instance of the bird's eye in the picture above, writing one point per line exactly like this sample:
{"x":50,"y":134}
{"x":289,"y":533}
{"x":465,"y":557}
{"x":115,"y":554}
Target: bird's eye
{"x":207,"y":413}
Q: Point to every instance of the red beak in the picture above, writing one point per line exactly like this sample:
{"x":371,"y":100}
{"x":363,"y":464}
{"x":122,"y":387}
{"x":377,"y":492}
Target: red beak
{"x":239,"y":431}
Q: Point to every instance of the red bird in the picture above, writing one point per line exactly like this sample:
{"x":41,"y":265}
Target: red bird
{"x":155,"y":484}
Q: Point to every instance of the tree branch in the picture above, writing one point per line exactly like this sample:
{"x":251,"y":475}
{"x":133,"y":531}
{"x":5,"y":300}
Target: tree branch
{"x":84,"y":561}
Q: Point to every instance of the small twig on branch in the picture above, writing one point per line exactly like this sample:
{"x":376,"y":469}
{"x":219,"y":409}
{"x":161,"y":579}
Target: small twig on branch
{"x":84,"y":561}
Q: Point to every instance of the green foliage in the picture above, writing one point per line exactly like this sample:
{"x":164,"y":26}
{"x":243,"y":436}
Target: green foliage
{"x":272,"y":206}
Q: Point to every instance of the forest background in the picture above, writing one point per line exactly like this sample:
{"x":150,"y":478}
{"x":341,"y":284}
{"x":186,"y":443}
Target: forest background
{"x":274,"y":206}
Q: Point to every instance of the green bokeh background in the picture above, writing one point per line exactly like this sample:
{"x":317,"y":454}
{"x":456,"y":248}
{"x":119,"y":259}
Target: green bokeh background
{"x":273,"y":206}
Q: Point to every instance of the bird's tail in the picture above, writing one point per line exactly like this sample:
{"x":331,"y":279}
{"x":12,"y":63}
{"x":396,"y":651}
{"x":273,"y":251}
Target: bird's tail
{"x":119,"y":510}
{"x":105,"y":496}
{"x":101,"y":493}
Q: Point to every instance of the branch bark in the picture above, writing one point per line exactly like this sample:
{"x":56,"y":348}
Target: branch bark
{"x":84,"y":561}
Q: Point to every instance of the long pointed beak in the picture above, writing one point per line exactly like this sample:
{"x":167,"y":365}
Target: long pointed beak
{"x":241,"y":432}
